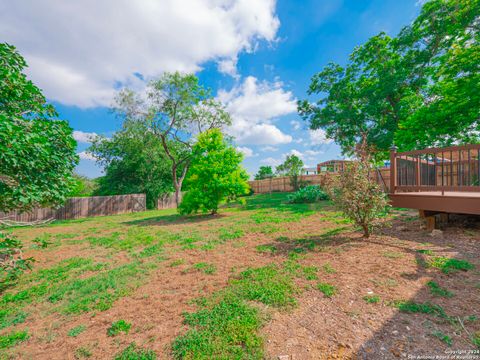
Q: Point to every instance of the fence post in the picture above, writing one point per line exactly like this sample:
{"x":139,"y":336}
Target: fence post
{"x":393,"y":169}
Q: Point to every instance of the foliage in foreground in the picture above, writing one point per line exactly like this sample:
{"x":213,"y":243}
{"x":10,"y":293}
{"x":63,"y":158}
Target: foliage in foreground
{"x":307,"y":194}
{"x":37,"y":151}
{"x":226,"y":325}
{"x":215,"y":174}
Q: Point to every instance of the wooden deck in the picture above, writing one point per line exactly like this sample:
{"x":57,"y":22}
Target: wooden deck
{"x":438,"y":180}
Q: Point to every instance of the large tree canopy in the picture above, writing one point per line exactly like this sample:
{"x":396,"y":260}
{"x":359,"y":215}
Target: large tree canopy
{"x":37,"y":151}
{"x":293,"y":168}
{"x":134,"y":161}
{"x":264,"y":172}
{"x":175,"y":108}
{"x":418,"y":89}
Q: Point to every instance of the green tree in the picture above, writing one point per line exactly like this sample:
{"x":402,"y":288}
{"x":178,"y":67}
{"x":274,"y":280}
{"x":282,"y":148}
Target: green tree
{"x":176,"y":109}
{"x":37,"y":151}
{"x":37,"y":155}
{"x":293,"y":168}
{"x":134,"y":161}
{"x":83,"y":186}
{"x":420,"y":88}
{"x":215,"y":174}
{"x":265,"y":172}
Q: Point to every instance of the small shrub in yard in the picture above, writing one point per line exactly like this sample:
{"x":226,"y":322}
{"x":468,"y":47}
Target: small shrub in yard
{"x":357,"y":196}
{"x":118,"y":327}
{"x":133,"y":352}
{"x":308,"y":194}
{"x":327,"y":289}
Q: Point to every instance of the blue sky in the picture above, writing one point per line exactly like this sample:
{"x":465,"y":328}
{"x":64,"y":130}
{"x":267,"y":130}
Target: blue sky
{"x":257,"y":56}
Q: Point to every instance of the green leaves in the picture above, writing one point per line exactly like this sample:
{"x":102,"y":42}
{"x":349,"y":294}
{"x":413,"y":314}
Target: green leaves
{"x":37,"y":152}
{"x":215,"y":174}
{"x":420,"y":88}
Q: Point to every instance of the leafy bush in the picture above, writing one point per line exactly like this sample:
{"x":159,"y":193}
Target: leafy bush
{"x":308,"y":194}
{"x":356,"y":195}
{"x":215,"y":174}
{"x":12,"y":263}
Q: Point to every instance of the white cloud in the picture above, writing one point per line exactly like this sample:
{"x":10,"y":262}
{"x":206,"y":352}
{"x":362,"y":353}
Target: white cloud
{"x":254,"y":105}
{"x":318,"y":137}
{"x":313,"y":152}
{"x":296,"y":124}
{"x":246,"y":151}
{"x":271,"y":161}
{"x":86,"y":156}
{"x":84,"y":137}
{"x":79,"y":51}
{"x":269,"y":148}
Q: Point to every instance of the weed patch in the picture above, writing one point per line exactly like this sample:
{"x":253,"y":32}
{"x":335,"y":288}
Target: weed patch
{"x":118,"y":327}
{"x":442,"y":337}
{"x":327,"y":289}
{"x":206,"y":268}
{"x":423,"y":308}
{"x":448,"y":265}
{"x":371,"y":299}
{"x":133,"y":352}
{"x":77,"y":330}
{"x":13,"y":338}
{"x":437,"y":290}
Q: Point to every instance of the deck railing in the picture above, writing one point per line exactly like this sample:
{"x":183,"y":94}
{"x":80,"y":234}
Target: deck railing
{"x":455,"y":168}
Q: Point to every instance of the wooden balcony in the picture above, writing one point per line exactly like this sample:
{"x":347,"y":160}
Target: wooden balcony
{"x":437,"y":180}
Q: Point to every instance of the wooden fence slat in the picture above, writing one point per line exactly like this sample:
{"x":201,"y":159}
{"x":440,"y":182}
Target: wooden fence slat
{"x":81,"y":207}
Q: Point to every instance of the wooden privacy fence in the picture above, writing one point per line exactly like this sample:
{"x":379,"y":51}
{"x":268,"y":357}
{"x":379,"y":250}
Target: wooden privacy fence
{"x":282,"y":184}
{"x":167,"y":201}
{"x":81,"y":207}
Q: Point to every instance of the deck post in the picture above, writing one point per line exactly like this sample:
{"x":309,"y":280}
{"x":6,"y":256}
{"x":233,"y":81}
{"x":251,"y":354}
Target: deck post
{"x":393,"y":169}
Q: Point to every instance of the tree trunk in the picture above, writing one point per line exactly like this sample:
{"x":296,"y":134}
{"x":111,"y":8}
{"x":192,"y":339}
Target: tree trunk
{"x":366,"y":231}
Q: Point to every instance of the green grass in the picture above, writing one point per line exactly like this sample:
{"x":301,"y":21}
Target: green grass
{"x":77,"y":330}
{"x":310,"y":272}
{"x":437,"y":290}
{"x":118,"y":327}
{"x":425,"y":251}
{"x":206,"y":268}
{"x":83,"y":353}
{"x":442,"y":337}
{"x":423,"y":308}
{"x":177,"y":262}
{"x":266,"y":248}
{"x":448,"y":265}
{"x":133,"y":352}
{"x":328,"y":269}
{"x":371,"y":299}
{"x":476,"y":339}
{"x":13,"y":338}
{"x":327,"y":289}
{"x":226,"y":325}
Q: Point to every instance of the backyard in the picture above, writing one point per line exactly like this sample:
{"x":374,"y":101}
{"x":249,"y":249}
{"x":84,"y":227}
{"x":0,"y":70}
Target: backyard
{"x":262,"y":279}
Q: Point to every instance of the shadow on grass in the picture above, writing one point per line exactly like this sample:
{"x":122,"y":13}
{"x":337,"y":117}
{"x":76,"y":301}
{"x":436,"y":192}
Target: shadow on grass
{"x":174,"y":219}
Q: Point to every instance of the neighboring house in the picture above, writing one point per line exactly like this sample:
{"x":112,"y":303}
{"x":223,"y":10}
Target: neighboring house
{"x":310,"y":171}
{"x":332,"y":166}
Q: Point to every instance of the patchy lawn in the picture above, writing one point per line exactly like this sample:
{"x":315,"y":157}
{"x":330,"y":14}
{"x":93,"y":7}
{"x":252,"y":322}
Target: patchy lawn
{"x":259,"y":280}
